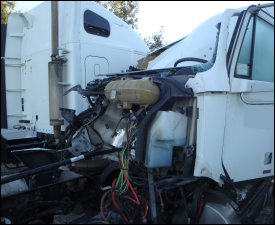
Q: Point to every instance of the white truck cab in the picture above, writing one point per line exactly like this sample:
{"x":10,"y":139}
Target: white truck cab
{"x":91,"y":39}
{"x":235,"y":92}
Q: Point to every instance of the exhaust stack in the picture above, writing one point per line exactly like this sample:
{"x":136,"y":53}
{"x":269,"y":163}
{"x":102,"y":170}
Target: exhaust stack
{"x":55,"y":70}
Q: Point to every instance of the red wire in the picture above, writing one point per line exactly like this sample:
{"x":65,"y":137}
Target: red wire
{"x":200,"y":208}
{"x":115,"y":203}
{"x":131,"y":187}
{"x":129,"y":198}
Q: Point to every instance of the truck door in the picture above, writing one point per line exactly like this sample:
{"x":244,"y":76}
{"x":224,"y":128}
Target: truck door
{"x":248,"y":151}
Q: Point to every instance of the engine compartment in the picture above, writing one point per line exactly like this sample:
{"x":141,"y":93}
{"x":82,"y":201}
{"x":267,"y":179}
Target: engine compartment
{"x":128,"y":158}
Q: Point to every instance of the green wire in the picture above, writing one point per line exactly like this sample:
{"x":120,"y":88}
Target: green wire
{"x":121,"y":183}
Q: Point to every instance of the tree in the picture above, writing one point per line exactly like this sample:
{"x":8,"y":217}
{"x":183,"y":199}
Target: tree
{"x":126,"y":10}
{"x":155,"y":41}
{"x":6,"y":9}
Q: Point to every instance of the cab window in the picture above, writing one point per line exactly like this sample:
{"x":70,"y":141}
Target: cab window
{"x":256,"y":58}
{"x":96,"y":24}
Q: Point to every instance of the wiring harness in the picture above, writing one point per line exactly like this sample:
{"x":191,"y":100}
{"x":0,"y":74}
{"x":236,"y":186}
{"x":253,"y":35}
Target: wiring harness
{"x":122,"y":197}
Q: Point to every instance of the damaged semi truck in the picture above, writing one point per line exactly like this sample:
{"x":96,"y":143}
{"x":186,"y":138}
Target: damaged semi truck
{"x":184,"y":136}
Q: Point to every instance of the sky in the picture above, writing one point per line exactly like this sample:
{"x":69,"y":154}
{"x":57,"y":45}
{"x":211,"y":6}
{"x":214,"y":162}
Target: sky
{"x":178,"y":18}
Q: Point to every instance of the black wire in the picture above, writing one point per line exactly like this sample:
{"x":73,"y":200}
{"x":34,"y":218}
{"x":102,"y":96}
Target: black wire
{"x":123,"y":117}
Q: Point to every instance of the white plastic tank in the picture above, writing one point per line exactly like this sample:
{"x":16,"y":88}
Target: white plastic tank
{"x":168,"y":130}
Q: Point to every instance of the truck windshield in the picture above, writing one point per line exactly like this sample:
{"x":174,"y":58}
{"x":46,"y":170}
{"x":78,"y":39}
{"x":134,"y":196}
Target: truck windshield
{"x":199,"y":44}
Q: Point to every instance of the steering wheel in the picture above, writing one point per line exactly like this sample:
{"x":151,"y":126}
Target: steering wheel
{"x":190,"y":59}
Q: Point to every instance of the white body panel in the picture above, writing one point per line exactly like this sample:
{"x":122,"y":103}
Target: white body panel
{"x":249,"y":137}
{"x":88,"y":55}
{"x":210,"y":134}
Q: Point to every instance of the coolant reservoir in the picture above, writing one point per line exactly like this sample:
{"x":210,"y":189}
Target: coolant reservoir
{"x":168,"y":130}
{"x":132,"y":91}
